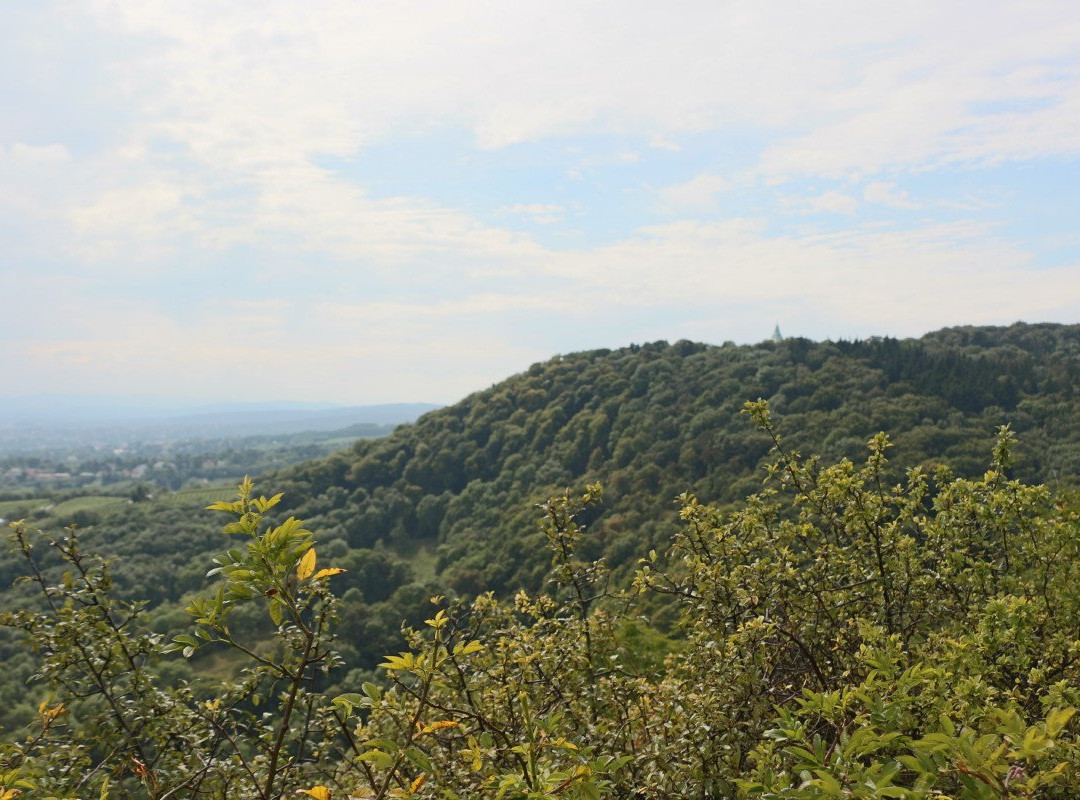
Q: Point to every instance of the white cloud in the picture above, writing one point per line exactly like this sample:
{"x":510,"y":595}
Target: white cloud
{"x":887,"y":193}
{"x":902,"y":282}
{"x":134,"y":223}
{"x":226,"y":115}
{"x":31,"y":154}
{"x":945,"y":92}
{"x":457,"y":334}
{"x":540,"y":213}
{"x":658,"y":142}
{"x":249,"y":100}
{"x":833,"y":202}
{"x":695,"y":195}
{"x":891,"y":85}
{"x":830,"y":202}
{"x":281,"y":350}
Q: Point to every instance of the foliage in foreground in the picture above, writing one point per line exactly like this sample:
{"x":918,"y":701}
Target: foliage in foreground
{"x":841,"y":637}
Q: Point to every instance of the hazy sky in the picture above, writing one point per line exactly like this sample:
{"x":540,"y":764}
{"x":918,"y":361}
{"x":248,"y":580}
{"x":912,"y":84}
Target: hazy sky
{"x":358,"y":201}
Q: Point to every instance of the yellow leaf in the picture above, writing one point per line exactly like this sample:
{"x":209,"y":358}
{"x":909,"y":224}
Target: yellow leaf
{"x":263,"y":504}
{"x":9,"y":794}
{"x":307,"y":565}
{"x":438,"y":726}
{"x":463,"y":649}
{"x":326,"y":573}
{"x":318,"y":792}
{"x":474,"y":751}
{"x":49,"y":714}
{"x":404,"y":661}
{"x":418,"y":783}
{"x":234,"y":506}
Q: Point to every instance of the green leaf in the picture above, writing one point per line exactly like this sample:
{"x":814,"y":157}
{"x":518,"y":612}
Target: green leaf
{"x":347,"y":702}
{"x":378,"y":758}
{"x":1058,"y":719}
{"x":382,"y":744}
{"x":419,"y":759}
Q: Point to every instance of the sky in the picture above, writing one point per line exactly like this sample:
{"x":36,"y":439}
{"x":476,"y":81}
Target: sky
{"x":356,"y":201}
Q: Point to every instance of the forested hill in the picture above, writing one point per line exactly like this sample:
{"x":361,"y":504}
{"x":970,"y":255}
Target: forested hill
{"x":447,"y":505}
{"x":655,"y":420}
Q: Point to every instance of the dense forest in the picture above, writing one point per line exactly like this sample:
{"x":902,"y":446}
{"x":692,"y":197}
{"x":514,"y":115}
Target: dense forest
{"x":829,"y":581}
{"x":653,"y":421}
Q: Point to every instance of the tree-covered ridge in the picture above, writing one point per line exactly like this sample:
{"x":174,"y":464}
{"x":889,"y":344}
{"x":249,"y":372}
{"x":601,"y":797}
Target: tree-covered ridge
{"x":656,"y":420}
{"x":842,"y":636}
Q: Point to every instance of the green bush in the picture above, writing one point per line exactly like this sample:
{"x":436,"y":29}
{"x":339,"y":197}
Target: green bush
{"x":839,"y":636}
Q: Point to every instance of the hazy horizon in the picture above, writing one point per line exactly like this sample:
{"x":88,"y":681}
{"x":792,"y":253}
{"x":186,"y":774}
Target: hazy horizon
{"x":83,"y":411}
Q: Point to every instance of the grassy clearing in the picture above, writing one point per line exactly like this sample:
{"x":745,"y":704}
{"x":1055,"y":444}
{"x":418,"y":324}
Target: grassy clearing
{"x":17,"y":509}
{"x":423,"y":561}
{"x":346,"y":441}
{"x":89,"y":503}
{"x":214,"y":665}
{"x":199,"y":496}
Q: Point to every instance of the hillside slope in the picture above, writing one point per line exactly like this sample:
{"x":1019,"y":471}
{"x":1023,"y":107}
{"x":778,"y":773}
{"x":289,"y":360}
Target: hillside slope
{"x":655,"y":420}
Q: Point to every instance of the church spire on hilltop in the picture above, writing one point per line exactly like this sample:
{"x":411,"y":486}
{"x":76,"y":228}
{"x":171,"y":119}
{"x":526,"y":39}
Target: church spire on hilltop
{"x":776,"y":335}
